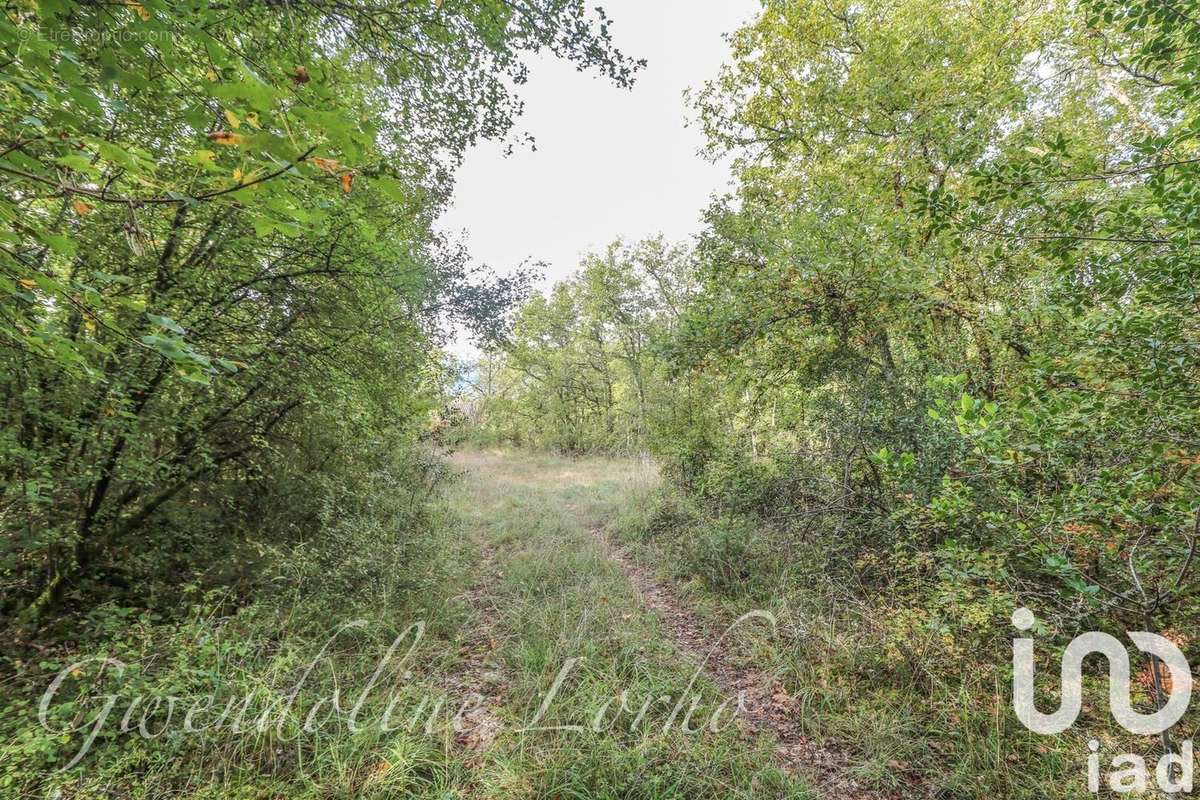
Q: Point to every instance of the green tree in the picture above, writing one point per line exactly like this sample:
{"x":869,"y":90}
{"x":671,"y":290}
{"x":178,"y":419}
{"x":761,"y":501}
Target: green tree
{"x":583,"y":368}
{"x":218,"y":272}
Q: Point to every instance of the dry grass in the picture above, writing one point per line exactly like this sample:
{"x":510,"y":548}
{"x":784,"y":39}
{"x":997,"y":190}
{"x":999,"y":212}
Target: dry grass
{"x":552,"y":472}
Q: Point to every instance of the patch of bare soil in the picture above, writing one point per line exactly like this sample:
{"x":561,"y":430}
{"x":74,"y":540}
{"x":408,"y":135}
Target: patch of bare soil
{"x":478,"y":682}
{"x":767,"y":708}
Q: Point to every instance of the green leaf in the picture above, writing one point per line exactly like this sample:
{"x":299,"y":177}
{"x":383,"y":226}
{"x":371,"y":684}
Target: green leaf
{"x":77,"y":162}
{"x":166,"y":322}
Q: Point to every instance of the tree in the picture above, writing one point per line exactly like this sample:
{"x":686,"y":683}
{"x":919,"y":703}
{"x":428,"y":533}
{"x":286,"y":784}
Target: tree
{"x":582,"y":368}
{"x":219,"y":260}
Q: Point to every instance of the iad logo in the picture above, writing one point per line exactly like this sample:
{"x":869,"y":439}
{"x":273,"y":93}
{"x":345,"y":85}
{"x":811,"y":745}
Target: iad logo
{"x":1118,"y":680}
{"x":1129,"y":773}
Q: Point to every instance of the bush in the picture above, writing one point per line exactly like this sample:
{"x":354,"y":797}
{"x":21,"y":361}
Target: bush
{"x":739,"y":483}
{"x":728,"y":554}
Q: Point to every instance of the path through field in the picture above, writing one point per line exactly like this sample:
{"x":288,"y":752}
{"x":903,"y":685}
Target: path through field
{"x":563,"y":610}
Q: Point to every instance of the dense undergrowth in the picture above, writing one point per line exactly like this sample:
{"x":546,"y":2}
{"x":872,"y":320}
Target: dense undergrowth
{"x":384,"y":559}
{"x":909,"y":673}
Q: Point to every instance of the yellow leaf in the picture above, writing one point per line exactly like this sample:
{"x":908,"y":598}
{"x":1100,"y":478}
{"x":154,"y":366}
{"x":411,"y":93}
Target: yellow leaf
{"x":27,"y":283}
{"x":226,"y":138}
{"x":138,"y":9}
{"x":212,"y":76}
{"x":347,"y":181}
{"x":81,"y":208}
{"x":233,"y":120}
{"x":252,"y":118}
{"x":237,"y":174}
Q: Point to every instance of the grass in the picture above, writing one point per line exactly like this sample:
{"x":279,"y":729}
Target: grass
{"x":514,"y":587}
{"x":558,"y":597}
{"x":923,"y":717}
{"x":383,"y":563}
{"x":511,"y":585}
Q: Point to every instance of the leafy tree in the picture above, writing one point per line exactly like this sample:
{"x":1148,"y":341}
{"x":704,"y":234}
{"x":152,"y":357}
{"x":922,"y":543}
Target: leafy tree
{"x":581,"y":369}
{"x":929,"y":192}
{"x":218,"y":273}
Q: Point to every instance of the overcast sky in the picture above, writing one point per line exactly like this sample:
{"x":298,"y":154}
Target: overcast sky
{"x":609,"y":162}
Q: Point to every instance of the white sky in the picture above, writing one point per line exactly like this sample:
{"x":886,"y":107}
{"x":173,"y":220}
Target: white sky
{"x":609,"y":162}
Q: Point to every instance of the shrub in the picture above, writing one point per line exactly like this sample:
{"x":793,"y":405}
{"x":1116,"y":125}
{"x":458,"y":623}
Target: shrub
{"x":728,"y":554}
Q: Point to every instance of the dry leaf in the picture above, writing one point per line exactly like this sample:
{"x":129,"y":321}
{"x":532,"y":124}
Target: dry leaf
{"x":300,"y":76}
{"x":226,"y":138}
{"x":327,"y":164}
{"x":379,"y":770}
{"x":81,"y":208}
{"x":138,"y":9}
{"x":347,"y":181}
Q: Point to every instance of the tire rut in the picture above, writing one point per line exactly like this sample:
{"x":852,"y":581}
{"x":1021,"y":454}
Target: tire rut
{"x":478,"y":680}
{"x":767,"y":708}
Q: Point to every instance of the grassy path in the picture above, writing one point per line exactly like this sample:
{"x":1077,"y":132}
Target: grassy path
{"x":767,"y":708}
{"x":592,"y":691}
